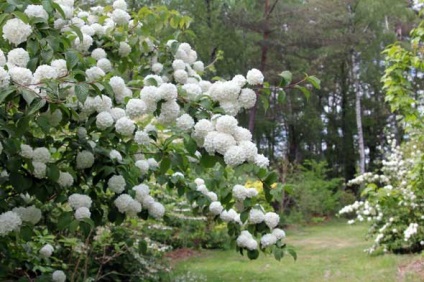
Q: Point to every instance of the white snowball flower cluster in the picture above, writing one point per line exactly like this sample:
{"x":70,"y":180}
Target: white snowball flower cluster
{"x":272,"y":219}
{"x":246,"y":240}
{"x":115,"y":155}
{"x":77,"y":201}
{"x":28,"y":214}
{"x":82,"y":213}
{"x":135,"y":108}
{"x":268,"y":240}
{"x":255,"y":77}
{"x":65,"y":179}
{"x":125,"y":126}
{"x":26,"y":151}
{"x":94,"y":74}
{"x":116,"y":184}
{"x":216,"y":208}
{"x":222,"y":135}
{"x":124,"y":49}
{"x":44,"y":72}
{"x":104,"y":120}
{"x":120,"y":17}
{"x":142,"y":138}
{"x":240,"y":192}
{"x":279,"y":233}
{"x":229,"y":216}
{"x":9,"y":221}
{"x":16,"y":31}
{"x":256,"y":216}
{"x":21,"y":76}
{"x":4,"y":78}
{"x":201,"y":187}
{"x":17,"y":57}
{"x":119,"y":88}
{"x":81,"y":204}
{"x":46,"y":251}
{"x":36,"y":11}
{"x":85,"y":44}
{"x":58,"y":276}
{"x":39,"y":169}
{"x":126,"y":204}
{"x":185,"y":122}
{"x":85,"y":159}
{"x":41,"y":154}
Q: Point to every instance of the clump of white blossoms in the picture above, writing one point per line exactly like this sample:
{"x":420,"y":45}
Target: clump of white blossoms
{"x":58,"y":276}
{"x":255,"y":77}
{"x":125,"y":126}
{"x":65,"y":179}
{"x":9,"y":221}
{"x":82,"y":213}
{"x":116,"y":183}
{"x":46,"y":251}
{"x":77,"y":201}
{"x":16,"y":31}
{"x":17,"y":57}
{"x":246,"y":240}
{"x":28,"y":214}
{"x":256,"y":216}
{"x":36,"y":11}
{"x":85,"y":159}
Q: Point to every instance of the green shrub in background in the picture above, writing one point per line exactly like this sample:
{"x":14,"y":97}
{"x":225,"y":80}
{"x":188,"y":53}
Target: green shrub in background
{"x":312,"y":196}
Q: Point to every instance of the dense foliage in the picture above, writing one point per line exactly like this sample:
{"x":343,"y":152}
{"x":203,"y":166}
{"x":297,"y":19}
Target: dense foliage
{"x":393,"y":196}
{"x":101,"y":117}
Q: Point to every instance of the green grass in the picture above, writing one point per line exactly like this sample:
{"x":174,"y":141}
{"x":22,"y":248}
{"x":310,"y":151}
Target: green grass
{"x":330,"y":252}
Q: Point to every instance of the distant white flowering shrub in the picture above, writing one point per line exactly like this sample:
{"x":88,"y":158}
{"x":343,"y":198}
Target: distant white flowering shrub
{"x":392,"y":202}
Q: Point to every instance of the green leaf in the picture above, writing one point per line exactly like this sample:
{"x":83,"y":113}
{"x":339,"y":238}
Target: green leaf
{"x":292,"y":253}
{"x":64,"y":220}
{"x":23,"y":17}
{"x":142,"y":247}
{"x":35,"y":106}
{"x":271,"y":178}
{"x":314,"y":81}
{"x":59,"y":9}
{"x":265,"y":102}
{"x":26,"y":232}
{"x":278,"y":253}
{"x":47,"y":6}
{"x":78,"y":32}
{"x":72,"y":59}
{"x":208,"y":161}
{"x":252,"y":254}
{"x":81,"y":90}
{"x":281,"y":96}
{"x":304,"y":90}
{"x":165,"y":164}
{"x":286,"y":78}
{"x":5,"y":92}
{"x":190,"y":145}
{"x":53,"y":172}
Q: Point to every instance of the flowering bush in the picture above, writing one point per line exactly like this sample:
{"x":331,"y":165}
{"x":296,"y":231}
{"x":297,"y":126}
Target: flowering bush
{"x":392,"y":202}
{"x":97,"y":114}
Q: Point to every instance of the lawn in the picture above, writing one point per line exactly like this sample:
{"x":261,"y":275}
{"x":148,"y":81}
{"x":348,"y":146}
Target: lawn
{"x":330,"y":252}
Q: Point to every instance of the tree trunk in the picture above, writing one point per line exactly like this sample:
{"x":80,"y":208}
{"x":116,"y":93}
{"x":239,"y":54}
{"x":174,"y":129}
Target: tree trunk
{"x":264,"y":53}
{"x":358,"y":112}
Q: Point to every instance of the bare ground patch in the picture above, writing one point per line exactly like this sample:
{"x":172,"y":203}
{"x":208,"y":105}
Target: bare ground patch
{"x":413,"y":271}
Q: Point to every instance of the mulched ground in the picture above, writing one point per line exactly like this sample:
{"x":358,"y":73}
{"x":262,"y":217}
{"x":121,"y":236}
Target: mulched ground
{"x":415,"y":267}
{"x":180,"y":254}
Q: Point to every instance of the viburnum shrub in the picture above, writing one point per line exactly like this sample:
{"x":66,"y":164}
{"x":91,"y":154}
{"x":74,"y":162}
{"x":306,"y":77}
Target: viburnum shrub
{"x":96,"y":115}
{"x":393,"y":197}
{"x":393,"y":200}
